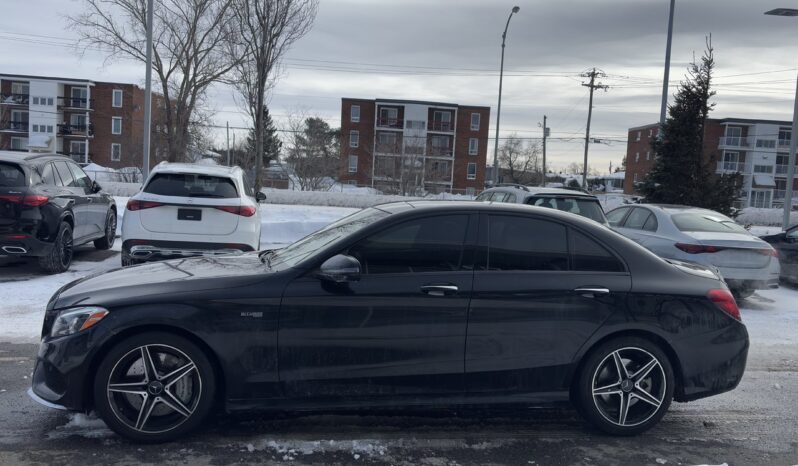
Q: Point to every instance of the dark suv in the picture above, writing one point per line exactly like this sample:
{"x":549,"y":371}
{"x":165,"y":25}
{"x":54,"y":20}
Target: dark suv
{"x":48,"y":205}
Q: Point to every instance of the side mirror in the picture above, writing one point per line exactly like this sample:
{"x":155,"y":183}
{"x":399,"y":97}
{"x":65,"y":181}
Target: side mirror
{"x":95,"y":187}
{"x":260,"y":197}
{"x":340,"y":269}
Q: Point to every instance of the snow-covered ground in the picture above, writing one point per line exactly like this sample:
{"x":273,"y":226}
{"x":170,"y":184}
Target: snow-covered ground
{"x":771,"y":316}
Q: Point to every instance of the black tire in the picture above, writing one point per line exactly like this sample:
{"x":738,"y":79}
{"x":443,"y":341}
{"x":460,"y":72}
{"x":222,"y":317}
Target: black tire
{"x":600,"y":371}
{"x":60,"y":256}
{"x":742,"y":293}
{"x":107,"y":241}
{"x":167,"y":412}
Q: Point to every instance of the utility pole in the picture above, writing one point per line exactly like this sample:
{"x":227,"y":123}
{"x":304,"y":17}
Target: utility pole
{"x":664,"y":105}
{"x":145,"y":167}
{"x":545,"y":135}
{"x":593,"y":74}
{"x":228,"y":144}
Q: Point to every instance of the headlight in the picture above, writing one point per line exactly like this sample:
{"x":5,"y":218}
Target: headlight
{"x":78,"y":319}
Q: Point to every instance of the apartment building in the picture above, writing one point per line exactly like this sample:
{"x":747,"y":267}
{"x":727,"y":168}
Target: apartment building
{"x":758,"y":149}
{"x":410,"y":146}
{"x":90,"y":121}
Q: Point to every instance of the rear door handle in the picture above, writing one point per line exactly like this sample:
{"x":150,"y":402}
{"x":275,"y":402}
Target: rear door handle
{"x":591,"y":291}
{"x":439,"y":290}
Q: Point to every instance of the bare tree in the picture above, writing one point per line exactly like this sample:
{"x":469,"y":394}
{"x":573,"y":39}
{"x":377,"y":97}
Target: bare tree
{"x":519,"y":161}
{"x":188,"y":50}
{"x":266,"y":29}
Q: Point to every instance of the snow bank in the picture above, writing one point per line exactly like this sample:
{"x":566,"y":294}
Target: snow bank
{"x":89,"y":426}
{"x":116,"y":188}
{"x":764,"y":217}
{"x":353,"y":199}
{"x":284,"y":224}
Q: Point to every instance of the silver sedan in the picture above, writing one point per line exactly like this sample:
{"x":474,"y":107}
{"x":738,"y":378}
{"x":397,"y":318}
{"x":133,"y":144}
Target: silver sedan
{"x":703,"y":236}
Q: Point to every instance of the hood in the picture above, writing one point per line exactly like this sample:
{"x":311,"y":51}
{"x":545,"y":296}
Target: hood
{"x":174,"y":277}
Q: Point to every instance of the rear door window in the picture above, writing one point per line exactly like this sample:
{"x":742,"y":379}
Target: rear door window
{"x":65,"y":174}
{"x":616,"y":216}
{"x":49,"y":176}
{"x":519,"y":243}
{"x":637,"y":219}
{"x":12,"y":176}
{"x":587,"y":255}
{"x":191,"y":185}
{"x":81,"y":178}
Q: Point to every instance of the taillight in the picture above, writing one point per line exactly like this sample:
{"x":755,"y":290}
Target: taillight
{"x":769,"y":252}
{"x":244,"y":210}
{"x":698,"y":248}
{"x":725,"y":301}
{"x":30,"y":200}
{"x":135,"y":204}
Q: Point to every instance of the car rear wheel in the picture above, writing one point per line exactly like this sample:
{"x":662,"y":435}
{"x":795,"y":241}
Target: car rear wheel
{"x":154,"y":387}
{"x":626,"y":386}
{"x":60,"y":256}
{"x":742,"y":293}
{"x":107,"y":241}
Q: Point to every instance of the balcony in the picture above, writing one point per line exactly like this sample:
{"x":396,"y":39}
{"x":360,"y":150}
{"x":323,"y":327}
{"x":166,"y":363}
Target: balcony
{"x":394,"y":123}
{"x":76,"y":130}
{"x":14,"y":99}
{"x":75,"y":103}
{"x":14,"y":127}
{"x":781,"y":169}
{"x":439,"y":151}
{"x":734,"y":142}
{"x":733,"y":167}
{"x":78,"y":157}
{"x":441,"y":126}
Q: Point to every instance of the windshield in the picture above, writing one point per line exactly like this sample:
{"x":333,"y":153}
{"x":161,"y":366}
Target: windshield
{"x":11,"y":176}
{"x":300,"y":250}
{"x":706,"y":222}
{"x":589,"y":208}
{"x":191,"y":185}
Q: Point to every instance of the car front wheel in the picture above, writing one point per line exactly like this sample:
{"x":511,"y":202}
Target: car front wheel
{"x":154,"y":387}
{"x":626,"y":386}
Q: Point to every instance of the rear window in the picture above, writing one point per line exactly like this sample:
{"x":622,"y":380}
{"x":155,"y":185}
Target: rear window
{"x":11,"y":176}
{"x":708,"y":222}
{"x":589,"y":208}
{"x":191,"y":185}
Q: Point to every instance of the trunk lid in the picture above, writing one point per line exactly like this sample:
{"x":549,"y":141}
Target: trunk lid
{"x":738,"y":250}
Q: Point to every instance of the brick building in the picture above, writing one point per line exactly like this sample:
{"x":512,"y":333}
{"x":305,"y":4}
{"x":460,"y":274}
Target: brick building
{"x":409,"y":146}
{"x":758,"y":149}
{"x":90,"y":121}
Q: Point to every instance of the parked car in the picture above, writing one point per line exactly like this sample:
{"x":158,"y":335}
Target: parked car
{"x":786,"y":243}
{"x":48,"y":205}
{"x":406,"y":304}
{"x":186,"y":210}
{"x":567,"y":200}
{"x":703,"y":236}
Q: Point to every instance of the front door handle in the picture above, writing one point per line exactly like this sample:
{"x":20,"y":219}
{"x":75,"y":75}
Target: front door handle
{"x":439,"y":290}
{"x":591,"y":291}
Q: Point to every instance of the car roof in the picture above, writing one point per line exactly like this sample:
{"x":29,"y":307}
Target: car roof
{"x":453,"y":206}
{"x":19,"y":156}
{"x":539,"y":190}
{"x":165,"y":167}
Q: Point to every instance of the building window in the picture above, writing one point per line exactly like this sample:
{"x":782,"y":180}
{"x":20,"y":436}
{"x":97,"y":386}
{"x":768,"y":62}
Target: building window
{"x":475,"y":121}
{"x":784,"y":137}
{"x":766,"y":143}
{"x":353,"y":164}
{"x":354,"y":114}
{"x":471,"y":174}
{"x":77,"y":147}
{"x":763,"y":169}
{"x":116,"y":152}
{"x":49,"y":128}
{"x":50,"y":101}
{"x":78,"y":122}
{"x":389,"y":116}
{"x":473,"y":146}
{"x":635,"y":178}
{"x":117,"y":98}
{"x":116,"y":125}
{"x":354,"y":138}
{"x":20,"y":88}
{"x":35,"y":100}
{"x":19,"y":143}
{"x":35,"y":128}
{"x":648,"y":155}
{"x":650,"y":133}
{"x":637,"y":157}
{"x":638,"y":136}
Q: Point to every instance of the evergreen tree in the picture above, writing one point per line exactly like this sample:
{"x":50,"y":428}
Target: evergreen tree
{"x":271,"y":142}
{"x":680,"y":175}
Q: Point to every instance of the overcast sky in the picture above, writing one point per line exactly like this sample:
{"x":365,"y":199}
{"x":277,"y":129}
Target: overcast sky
{"x":448,"y":50}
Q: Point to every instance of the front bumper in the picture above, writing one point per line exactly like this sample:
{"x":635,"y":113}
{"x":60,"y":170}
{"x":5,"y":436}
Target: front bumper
{"x":59,"y":376}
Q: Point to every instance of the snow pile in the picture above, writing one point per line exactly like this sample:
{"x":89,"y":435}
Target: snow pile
{"x":764,"y":217}
{"x":89,"y":426}
{"x":329,"y":198}
{"x":284,"y":224}
{"x":115,"y":188}
{"x":290,"y":449}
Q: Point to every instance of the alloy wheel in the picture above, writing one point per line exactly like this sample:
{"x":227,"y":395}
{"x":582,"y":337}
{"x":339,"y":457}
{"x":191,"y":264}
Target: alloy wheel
{"x":629,"y":386}
{"x":154,"y":388}
{"x":110,"y":229}
{"x":64,"y":246}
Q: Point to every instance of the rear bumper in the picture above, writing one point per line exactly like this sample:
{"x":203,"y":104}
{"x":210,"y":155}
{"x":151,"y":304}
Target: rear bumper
{"x":27,"y":246}
{"x":146,"y":250}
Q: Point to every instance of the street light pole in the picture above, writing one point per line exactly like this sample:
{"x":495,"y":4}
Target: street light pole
{"x":793,"y":136}
{"x":499,"y":107}
{"x":664,"y":105}
{"x":145,"y":168}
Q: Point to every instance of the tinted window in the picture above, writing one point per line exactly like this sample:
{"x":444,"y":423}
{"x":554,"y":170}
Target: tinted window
{"x":49,"y":177}
{"x":651,"y":223}
{"x":518,"y":243}
{"x":589,"y":208}
{"x":617,"y":215}
{"x":191,"y":185}
{"x":248,"y":189}
{"x":588,"y":255}
{"x":81,"y":179}
{"x":498,"y":197}
{"x":637,"y":219}
{"x":709,"y":222}
{"x":510,"y":198}
{"x":11,"y":176}
{"x":431,"y":244}
{"x":483,"y":197}
{"x":66,"y":176}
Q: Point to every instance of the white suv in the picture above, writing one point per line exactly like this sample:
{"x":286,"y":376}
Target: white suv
{"x":188,"y":210}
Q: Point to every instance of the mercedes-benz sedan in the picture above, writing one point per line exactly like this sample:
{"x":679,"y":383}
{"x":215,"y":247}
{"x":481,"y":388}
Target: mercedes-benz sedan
{"x":406,"y":304}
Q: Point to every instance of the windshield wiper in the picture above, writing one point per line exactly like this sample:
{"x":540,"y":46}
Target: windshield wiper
{"x":266,"y":256}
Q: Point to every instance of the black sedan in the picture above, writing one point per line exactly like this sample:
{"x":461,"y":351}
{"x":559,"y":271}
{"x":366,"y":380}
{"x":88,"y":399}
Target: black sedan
{"x":405,"y":304}
{"x":786,"y":243}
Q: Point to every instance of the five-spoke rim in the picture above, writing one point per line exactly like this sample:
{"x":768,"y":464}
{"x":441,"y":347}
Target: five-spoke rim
{"x":629,"y":386}
{"x":154,"y":388}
